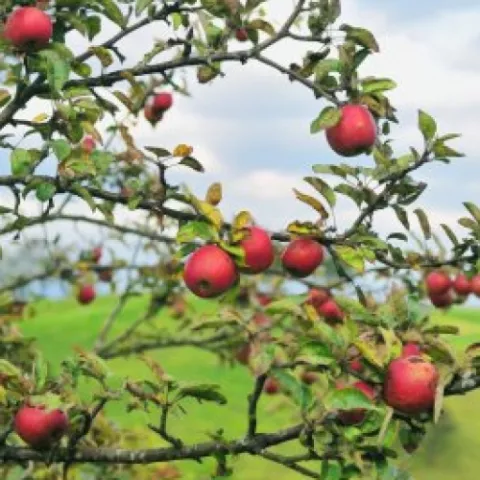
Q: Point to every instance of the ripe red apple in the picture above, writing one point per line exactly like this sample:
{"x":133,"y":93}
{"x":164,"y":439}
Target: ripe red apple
{"x":356,"y":365}
{"x":357,"y":415}
{"x":28,"y":27}
{"x":262,"y":320}
{"x":355,"y":133}
{"x":86,"y":294}
{"x":438,"y":282}
{"x":462,"y":285}
{"x":97,"y":254}
{"x":302,"y":256}
{"x":317,"y":297}
{"x":162,"y":102}
{"x":209,"y":272}
{"x":105,"y":275}
{"x":410,"y":384}
{"x":40,"y":428}
{"x":88,"y":144}
{"x":331,"y":311}
{"x":475,"y":283}
{"x":411,"y":350}
{"x":271,"y":386}
{"x":258,"y":248}
{"x":308,"y":378}
{"x":241,"y":34}
{"x":443,"y":300}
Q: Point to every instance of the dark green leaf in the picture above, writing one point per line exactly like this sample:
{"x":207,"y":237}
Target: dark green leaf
{"x":427,"y":125}
{"x":327,"y":118}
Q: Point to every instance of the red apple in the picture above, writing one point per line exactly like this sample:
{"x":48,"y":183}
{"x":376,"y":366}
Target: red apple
{"x":262,"y":320}
{"x":209,"y":272}
{"x":241,"y":34}
{"x":28,"y":27}
{"x":443,"y":300}
{"x":88,"y":144}
{"x":86,"y":294}
{"x":411,"y":350}
{"x":475,"y":283}
{"x":162,"y":102}
{"x":331,"y":311}
{"x":355,"y":133}
{"x":302,"y":256}
{"x":151,"y":115}
{"x":438,"y":282}
{"x":308,"y":378}
{"x":40,"y":428}
{"x":410,"y":384}
{"x":258,"y":248}
{"x":271,"y":386}
{"x":356,"y":365}
{"x":317,"y":297}
{"x":462,"y":285}
{"x":264,"y":299}
{"x":357,"y":415}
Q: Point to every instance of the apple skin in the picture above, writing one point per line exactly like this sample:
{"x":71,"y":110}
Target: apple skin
{"x":28,"y":27}
{"x":411,"y":350}
{"x":357,"y":415}
{"x":331,"y":311}
{"x":355,"y":133}
{"x":443,"y":300}
{"x":243,"y":354}
{"x":264,"y":299}
{"x":86,"y":294}
{"x":97,"y":254}
{"x":258,"y":248}
{"x":462,"y":285}
{"x":162,"y":102}
{"x":209,"y":272}
{"x":317,"y":297}
{"x":410,"y":384}
{"x":150,"y":114}
{"x":302,"y":256}
{"x":475,"y":283}
{"x":88,"y":144}
{"x":40,"y":428}
{"x":241,"y":34}
{"x":356,"y":365}
{"x":308,"y":378}
{"x":271,"y":386}
{"x":438,"y":283}
{"x":262,"y":320}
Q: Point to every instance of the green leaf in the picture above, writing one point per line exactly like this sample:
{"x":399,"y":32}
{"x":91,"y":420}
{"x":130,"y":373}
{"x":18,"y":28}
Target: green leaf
{"x":113,"y":12}
{"x":353,"y":257}
{"x":61,"y":148}
{"x":40,"y":371}
{"x":85,"y":194}
{"x":360,"y":36}
{"x":424,"y":223}
{"x":201,"y":392}
{"x":331,"y":470}
{"x":57,"y":69}
{"x":348,"y":399}
{"x":5,"y":97}
{"x":197,"y":229}
{"x":427,"y":125}
{"x":45,"y":191}
{"x":290,"y":304}
{"x":374,"y":85}
{"x":449,"y":232}
{"x":21,"y":162}
{"x":192,"y":163}
{"x":296,"y":390}
{"x":328,"y":117}
{"x":7,"y":368}
{"x":141,"y":5}
{"x":264,"y":26}
{"x":402,"y":216}
{"x":103,"y":54}
{"x":323,"y":188}
{"x":101,"y":160}
{"x":159,"y":152}
{"x":473,"y":210}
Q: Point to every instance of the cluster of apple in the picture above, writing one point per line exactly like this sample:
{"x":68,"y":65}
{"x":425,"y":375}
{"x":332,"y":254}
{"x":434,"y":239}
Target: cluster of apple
{"x":210,"y":271}
{"x":86,"y":292}
{"x":409,"y":385}
{"x":443,"y":291}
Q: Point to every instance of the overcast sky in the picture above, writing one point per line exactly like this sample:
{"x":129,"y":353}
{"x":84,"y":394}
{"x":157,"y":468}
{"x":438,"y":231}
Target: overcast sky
{"x":251,"y":128}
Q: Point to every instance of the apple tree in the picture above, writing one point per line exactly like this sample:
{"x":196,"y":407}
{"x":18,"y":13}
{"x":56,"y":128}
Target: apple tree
{"x":362,"y":376}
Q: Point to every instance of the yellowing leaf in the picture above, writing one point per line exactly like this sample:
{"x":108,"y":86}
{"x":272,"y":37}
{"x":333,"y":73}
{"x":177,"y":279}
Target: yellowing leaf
{"x":182,"y":150}
{"x":313,"y":202}
{"x":214,"y":194}
{"x":39,"y":118}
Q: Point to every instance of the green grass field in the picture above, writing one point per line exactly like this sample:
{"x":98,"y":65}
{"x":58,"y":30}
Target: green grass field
{"x":450,"y":451}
